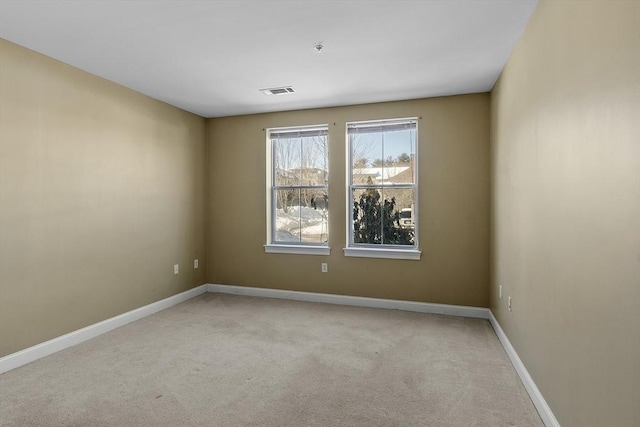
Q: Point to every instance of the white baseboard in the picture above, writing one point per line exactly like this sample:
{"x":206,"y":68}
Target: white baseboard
{"x":420,"y":307}
{"x":541,"y":405}
{"x":28,"y":355}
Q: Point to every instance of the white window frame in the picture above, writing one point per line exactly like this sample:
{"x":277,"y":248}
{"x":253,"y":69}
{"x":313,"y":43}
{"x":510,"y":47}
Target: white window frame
{"x":372,"y":250}
{"x":301,"y":248}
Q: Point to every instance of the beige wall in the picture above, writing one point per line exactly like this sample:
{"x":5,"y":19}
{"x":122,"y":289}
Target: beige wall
{"x":101,"y":192}
{"x":566,"y":208}
{"x":453,"y":199}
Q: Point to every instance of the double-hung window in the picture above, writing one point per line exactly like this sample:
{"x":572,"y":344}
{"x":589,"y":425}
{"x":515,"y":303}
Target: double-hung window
{"x":382,"y":189}
{"x":297,"y":187}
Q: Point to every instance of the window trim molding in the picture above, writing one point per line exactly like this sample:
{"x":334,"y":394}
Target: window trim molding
{"x":381,"y":251}
{"x":287,"y":247}
{"x":274,"y":248}
{"x":360,"y":252}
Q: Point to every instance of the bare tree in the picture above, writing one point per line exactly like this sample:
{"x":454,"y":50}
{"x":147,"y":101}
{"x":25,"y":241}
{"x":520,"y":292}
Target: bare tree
{"x":361,"y":150}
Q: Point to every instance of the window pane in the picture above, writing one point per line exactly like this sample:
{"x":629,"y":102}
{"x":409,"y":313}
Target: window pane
{"x":287,"y":224}
{"x":314,"y":160}
{"x":287,"y":159}
{"x":378,"y":216}
{"x":314,"y":216}
{"x":366,"y":216}
{"x":366,"y":157}
{"x":399,"y":150}
{"x":302,"y":216}
{"x":399,"y":218}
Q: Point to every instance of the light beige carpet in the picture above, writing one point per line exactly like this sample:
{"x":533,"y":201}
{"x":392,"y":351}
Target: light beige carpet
{"x":221,"y":360}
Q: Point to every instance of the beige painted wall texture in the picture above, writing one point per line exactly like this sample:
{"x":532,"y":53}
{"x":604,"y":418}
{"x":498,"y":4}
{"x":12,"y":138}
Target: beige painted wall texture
{"x":566,"y":208}
{"x":453,"y":206}
{"x":101,"y":192}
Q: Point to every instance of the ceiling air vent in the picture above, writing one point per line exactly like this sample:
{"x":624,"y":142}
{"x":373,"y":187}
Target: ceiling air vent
{"x":285,"y":90}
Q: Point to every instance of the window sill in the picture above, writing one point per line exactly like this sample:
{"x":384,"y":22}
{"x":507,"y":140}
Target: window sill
{"x":297,"y":249}
{"x":411,"y":254}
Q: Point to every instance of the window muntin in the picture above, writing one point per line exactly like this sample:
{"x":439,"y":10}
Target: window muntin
{"x":382,"y":177}
{"x":298,"y":186}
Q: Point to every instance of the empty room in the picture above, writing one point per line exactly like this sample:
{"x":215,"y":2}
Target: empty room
{"x":320,"y":213}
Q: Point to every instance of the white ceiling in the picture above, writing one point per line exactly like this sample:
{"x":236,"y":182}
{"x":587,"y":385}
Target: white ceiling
{"x":211,"y":57}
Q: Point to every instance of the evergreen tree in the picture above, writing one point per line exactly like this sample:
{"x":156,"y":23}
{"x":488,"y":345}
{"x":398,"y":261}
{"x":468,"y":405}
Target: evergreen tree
{"x":377,"y":222}
{"x":404,"y":158}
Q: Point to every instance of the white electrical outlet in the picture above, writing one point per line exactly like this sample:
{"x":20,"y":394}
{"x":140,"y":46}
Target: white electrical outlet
{"x":176,"y":269}
{"x":509,"y":302}
{"x":500,"y":291}
{"x":325,"y":267}
{"x":195,"y":263}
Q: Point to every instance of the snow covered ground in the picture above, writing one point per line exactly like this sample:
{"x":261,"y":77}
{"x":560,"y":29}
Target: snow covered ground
{"x":311,"y":223}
